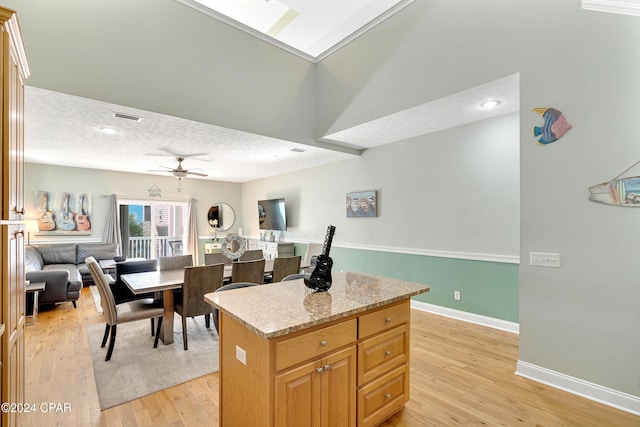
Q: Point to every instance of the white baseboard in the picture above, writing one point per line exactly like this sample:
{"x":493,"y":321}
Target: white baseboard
{"x":623,"y":401}
{"x":478,"y":319}
{"x":606,"y":396}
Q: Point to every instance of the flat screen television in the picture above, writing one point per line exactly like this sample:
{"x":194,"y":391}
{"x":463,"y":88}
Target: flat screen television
{"x":272,"y":214}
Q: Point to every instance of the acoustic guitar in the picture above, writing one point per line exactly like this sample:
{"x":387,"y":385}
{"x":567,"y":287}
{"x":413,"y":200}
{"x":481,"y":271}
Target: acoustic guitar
{"x":82,"y":218}
{"x":66,"y":221}
{"x":320,"y":279}
{"x":47,"y":221}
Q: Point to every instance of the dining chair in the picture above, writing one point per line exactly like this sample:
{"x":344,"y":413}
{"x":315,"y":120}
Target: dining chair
{"x":121,"y":292}
{"x":248,"y":271}
{"x":230,"y":286}
{"x":251,"y":255}
{"x":294,"y":276}
{"x":176,"y":247}
{"x":284,"y":266}
{"x":125,"y":312}
{"x":198,"y":281}
{"x":313,"y":249}
{"x":174,"y":262}
{"x":217,"y":258}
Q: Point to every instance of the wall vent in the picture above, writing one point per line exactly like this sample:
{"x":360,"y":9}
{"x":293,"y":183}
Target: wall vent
{"x":126,"y":117}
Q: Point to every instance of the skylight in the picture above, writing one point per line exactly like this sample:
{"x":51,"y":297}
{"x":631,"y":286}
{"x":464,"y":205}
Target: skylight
{"x":310,"y":29}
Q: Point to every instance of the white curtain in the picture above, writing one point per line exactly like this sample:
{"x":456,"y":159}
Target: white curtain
{"x":192,"y":233}
{"x":112,"y":229}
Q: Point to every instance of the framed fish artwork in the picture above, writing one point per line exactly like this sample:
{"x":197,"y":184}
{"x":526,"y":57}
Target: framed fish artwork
{"x":362,"y":204}
{"x":555,"y":125}
{"x":618,"y":191}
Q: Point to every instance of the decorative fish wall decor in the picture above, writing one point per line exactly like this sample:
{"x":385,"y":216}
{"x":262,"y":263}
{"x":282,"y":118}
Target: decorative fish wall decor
{"x":619,"y":191}
{"x":555,"y":125}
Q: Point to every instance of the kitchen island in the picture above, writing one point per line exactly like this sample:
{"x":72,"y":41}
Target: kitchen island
{"x":293,"y":357}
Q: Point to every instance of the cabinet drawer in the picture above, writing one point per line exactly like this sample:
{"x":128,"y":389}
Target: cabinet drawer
{"x":380,"y":353}
{"x":313,"y":344}
{"x":383,"y":397}
{"x":382,"y":320}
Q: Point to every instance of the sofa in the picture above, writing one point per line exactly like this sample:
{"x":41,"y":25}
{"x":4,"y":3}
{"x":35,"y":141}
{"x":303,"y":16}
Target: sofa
{"x":62,"y":267}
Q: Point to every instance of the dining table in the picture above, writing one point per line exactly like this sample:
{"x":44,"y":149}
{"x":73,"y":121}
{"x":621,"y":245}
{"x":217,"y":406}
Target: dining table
{"x":166,"y":281}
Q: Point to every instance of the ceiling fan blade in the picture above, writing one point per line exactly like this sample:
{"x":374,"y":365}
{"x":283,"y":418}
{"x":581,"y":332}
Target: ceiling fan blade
{"x":168,"y":152}
{"x":159,"y":170}
{"x":196,"y":173}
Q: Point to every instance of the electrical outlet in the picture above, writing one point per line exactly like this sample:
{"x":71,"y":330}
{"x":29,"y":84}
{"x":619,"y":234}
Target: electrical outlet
{"x":241,"y":355}
{"x":543,"y":259}
{"x":456,"y":295}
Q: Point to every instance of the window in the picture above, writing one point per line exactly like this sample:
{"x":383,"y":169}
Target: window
{"x":150,"y":229}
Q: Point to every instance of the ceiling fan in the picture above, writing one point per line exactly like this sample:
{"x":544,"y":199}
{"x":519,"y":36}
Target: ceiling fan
{"x":179,"y":172}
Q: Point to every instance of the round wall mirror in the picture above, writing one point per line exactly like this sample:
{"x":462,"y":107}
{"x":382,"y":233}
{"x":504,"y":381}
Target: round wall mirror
{"x":221,"y":216}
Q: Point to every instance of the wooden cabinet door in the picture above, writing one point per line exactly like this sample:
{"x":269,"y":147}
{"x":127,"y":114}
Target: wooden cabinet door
{"x":338,"y":386}
{"x":13,"y":311}
{"x":14,"y":69}
{"x":297,"y":396}
{"x":12,"y":132}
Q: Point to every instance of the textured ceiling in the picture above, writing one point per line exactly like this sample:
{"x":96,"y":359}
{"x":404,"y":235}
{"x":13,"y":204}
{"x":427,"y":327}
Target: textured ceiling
{"x":65,"y":130}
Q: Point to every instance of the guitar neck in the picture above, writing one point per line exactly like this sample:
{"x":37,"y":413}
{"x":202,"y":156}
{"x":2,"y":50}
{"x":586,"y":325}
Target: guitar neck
{"x":328,"y":239}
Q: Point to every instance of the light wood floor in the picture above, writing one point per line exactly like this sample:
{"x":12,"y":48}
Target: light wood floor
{"x":461,"y":374}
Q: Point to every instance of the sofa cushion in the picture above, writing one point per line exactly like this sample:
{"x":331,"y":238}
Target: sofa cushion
{"x":32,"y":259}
{"x":97,"y":250}
{"x":58,"y":253}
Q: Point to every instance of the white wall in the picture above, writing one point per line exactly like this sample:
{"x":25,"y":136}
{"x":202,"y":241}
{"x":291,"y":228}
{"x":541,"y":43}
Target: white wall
{"x":452,"y":191}
{"x":582,"y":319}
{"x":99,"y":183}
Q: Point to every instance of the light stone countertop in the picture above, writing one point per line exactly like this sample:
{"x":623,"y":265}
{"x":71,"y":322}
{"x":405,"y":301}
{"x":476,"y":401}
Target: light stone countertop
{"x":278,"y":309}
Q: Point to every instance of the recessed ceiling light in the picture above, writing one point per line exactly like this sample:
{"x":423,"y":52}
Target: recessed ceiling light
{"x":108,"y":131}
{"x":298,"y":150}
{"x":492,"y":103}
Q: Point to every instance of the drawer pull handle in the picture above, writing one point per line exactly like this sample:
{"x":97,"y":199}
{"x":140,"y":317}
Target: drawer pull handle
{"x":387,"y":353}
{"x":387,"y":395}
{"x":323,"y":343}
{"x":388,"y":320}
{"x":319,"y":370}
{"x":327,"y":367}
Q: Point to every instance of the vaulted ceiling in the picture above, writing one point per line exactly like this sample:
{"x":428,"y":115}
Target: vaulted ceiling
{"x":237,"y":107}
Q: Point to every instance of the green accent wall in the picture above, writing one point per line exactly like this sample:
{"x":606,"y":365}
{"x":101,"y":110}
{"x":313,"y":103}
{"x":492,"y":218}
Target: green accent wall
{"x":486,"y":288}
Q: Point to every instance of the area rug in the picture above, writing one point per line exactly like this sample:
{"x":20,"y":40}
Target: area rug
{"x":136,"y":369}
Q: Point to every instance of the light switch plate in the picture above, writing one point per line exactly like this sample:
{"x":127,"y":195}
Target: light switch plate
{"x":544,"y":259}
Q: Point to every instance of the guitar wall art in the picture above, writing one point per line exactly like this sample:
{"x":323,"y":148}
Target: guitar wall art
{"x":63,"y":213}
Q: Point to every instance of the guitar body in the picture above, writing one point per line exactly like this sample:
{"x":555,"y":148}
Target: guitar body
{"x":47,"y":221}
{"x":82,"y":222}
{"x":82,"y":219}
{"x":320,"y":278}
{"x":66,"y":221}
{"x":66,"y":217}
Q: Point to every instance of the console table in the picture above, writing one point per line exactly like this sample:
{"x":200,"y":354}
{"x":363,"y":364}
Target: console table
{"x":271,"y":250}
{"x":339,"y":357}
